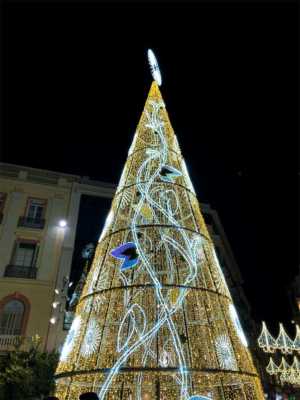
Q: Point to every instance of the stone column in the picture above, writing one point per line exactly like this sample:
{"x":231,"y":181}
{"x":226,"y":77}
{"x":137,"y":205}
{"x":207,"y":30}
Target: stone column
{"x":52,"y":241}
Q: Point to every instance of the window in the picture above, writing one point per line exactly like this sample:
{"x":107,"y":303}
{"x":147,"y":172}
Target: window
{"x":25,"y":254}
{"x":23,"y":260}
{"x":11,"y":318}
{"x":35,"y":209}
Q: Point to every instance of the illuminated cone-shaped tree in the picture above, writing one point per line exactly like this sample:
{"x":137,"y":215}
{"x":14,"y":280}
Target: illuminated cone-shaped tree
{"x":155,"y":319}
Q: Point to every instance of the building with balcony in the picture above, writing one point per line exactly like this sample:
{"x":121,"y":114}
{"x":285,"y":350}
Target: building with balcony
{"x":38,"y":221}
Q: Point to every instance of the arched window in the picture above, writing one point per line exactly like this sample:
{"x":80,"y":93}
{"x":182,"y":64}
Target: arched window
{"x":12,"y":317}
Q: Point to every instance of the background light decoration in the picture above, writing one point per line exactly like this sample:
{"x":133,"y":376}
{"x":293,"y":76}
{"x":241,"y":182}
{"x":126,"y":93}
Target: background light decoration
{"x":272,"y":368}
{"x":163,"y":323}
{"x":283,"y":341}
{"x":237,"y":324}
{"x":266,"y":340}
{"x":286,"y":373}
{"x":297,"y":339}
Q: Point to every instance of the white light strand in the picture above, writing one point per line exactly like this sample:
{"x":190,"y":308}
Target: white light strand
{"x":71,"y":338}
{"x":140,"y":333}
{"x":238,"y":327}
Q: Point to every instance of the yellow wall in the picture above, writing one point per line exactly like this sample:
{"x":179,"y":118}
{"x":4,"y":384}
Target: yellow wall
{"x":39,"y":291}
{"x":62,"y":193}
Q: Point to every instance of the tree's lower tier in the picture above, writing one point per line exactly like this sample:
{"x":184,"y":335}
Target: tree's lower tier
{"x":160,"y":384}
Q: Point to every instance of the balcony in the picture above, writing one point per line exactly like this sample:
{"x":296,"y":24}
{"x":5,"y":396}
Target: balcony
{"x":19,"y":271}
{"x":33,"y":223}
{"x":11,"y":342}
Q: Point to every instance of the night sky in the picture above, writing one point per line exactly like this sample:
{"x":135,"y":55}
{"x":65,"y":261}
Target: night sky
{"x":76,"y":79}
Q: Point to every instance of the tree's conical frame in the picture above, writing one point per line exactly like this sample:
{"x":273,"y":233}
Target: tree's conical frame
{"x":155,"y":319}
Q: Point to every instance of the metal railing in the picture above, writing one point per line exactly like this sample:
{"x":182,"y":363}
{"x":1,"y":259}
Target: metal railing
{"x":9,"y":342}
{"x":34,"y":223}
{"x":19,"y":271}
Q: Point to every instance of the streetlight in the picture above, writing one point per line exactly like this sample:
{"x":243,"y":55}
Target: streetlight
{"x":55,"y":304}
{"x":62,"y":223}
{"x":61,"y":293}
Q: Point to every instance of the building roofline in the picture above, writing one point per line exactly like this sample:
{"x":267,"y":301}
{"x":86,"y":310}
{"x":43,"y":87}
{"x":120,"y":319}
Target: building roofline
{"x":52,"y":174}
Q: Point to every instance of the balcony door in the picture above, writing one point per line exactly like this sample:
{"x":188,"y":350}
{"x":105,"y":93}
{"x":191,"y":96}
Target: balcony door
{"x":24,"y":254}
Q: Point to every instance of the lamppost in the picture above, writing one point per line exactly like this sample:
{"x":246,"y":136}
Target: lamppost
{"x":87,"y":254}
{"x":61,"y":286}
{"x":61,"y":297}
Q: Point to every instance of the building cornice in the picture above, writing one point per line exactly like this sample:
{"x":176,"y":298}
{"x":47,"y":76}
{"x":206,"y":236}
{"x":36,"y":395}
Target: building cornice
{"x":31,"y":175}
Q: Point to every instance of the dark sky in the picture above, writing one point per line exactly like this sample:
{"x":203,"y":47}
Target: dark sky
{"x":76,"y":79}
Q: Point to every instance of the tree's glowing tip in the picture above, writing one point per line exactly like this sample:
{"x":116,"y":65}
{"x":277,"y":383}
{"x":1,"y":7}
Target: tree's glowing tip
{"x":155,"y":71}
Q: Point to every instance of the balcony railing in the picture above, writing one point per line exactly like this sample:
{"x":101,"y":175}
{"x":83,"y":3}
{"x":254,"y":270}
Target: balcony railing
{"x":34,"y":223}
{"x":10,"y":342}
{"x":19,"y":271}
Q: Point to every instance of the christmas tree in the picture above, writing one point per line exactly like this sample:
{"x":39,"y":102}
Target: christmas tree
{"x":155,"y":319}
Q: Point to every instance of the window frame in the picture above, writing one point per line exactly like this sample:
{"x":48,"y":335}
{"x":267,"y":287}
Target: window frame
{"x":27,"y":306}
{"x":28,"y":204}
{"x":13,"y":323}
{"x":19,"y":241}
